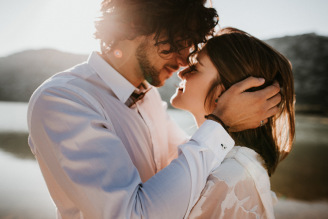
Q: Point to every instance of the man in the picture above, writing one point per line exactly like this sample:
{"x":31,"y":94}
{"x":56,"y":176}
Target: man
{"x":103,"y":153}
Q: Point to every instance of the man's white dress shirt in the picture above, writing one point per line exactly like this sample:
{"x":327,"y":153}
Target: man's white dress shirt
{"x":99,"y":157}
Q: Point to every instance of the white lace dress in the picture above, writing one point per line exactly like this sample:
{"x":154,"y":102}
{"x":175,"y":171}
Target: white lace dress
{"x":238,"y":188}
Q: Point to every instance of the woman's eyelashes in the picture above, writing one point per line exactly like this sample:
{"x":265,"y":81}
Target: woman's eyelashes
{"x":192,"y":69}
{"x":184,"y":73}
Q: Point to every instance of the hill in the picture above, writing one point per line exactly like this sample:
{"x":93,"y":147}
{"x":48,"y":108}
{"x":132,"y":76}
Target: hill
{"x":308,"y":54}
{"x":22,"y":73}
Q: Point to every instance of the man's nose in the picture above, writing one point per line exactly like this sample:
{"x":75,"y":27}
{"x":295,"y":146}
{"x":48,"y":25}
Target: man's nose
{"x":182,"y":61}
{"x":182,"y":57}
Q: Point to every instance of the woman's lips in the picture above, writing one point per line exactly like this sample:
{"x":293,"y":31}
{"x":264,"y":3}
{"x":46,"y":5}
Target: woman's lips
{"x":181,"y":85}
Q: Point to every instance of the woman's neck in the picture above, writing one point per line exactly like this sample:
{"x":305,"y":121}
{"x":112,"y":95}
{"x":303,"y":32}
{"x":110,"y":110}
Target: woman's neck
{"x":199,"y":118}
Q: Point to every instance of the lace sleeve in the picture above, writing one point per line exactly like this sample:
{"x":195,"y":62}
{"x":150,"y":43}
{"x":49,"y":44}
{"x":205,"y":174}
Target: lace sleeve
{"x":230,"y":192}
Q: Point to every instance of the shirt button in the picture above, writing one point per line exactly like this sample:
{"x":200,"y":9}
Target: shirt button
{"x":223,"y":146}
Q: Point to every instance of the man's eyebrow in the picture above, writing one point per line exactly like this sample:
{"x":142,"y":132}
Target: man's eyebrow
{"x":199,"y":61}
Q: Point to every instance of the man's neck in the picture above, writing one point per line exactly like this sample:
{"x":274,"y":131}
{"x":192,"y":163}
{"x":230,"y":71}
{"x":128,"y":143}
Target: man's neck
{"x":127,"y":65}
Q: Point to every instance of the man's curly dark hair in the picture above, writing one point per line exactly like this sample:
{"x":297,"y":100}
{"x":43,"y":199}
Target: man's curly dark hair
{"x":172,"y":21}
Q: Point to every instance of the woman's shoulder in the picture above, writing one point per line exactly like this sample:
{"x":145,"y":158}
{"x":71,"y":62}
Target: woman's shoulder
{"x":239,"y":164}
{"x":231,"y":189}
{"x":230,"y":171}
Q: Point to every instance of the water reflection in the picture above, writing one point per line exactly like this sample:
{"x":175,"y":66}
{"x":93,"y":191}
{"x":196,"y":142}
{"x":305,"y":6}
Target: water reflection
{"x":16,"y":144}
{"x":23,"y":192}
{"x":303,"y":175}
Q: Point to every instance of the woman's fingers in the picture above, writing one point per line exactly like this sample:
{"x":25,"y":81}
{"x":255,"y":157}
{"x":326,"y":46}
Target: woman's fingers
{"x":274,"y":101}
{"x":271,"y":90}
{"x":248,"y":83}
{"x":244,"y":110}
{"x":276,"y":84}
{"x":271,"y":112}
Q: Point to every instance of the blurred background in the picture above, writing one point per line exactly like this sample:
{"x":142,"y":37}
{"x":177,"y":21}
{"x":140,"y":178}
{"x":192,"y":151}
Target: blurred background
{"x":39,"y":38}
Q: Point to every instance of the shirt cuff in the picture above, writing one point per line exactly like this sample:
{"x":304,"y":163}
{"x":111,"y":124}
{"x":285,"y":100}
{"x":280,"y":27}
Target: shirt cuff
{"x":212,"y":135}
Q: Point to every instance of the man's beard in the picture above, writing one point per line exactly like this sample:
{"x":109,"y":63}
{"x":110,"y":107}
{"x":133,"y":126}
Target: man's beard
{"x":149,"y":72}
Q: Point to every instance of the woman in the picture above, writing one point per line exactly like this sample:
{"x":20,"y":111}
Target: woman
{"x":240,"y":187}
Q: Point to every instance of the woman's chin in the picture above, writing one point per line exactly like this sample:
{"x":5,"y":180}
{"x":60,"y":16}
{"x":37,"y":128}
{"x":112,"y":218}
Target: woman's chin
{"x":176,"y":102}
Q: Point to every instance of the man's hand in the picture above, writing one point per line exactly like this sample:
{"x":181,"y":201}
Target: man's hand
{"x":245,"y":110}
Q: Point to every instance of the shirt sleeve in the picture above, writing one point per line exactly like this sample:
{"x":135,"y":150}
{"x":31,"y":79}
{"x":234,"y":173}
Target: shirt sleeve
{"x":230,"y":192}
{"x":176,"y":136}
{"x":92,"y":167}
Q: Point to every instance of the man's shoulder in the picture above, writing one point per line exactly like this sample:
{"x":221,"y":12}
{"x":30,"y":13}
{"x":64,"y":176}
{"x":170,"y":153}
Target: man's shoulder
{"x":62,"y":79}
{"x":63,"y":91}
{"x":61,"y":84}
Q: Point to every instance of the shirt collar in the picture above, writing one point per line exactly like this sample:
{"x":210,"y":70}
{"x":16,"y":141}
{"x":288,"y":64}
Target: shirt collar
{"x":250,"y":153}
{"x":121,"y":87}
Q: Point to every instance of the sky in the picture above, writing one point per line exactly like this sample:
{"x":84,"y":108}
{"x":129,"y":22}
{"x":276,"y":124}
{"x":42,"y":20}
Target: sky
{"x":67,"y":25}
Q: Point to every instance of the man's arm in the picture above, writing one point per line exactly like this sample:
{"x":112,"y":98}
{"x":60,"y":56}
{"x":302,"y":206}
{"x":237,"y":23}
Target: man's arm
{"x":176,"y":136}
{"x":90,"y":163}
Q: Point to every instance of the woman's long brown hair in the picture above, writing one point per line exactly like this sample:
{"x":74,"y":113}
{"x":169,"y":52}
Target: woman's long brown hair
{"x":238,"y":55}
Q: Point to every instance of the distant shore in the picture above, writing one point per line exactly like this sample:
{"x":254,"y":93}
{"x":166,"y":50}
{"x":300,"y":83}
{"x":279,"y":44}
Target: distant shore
{"x":311,"y":110}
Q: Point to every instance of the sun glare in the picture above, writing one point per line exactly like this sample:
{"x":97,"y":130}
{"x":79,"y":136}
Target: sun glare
{"x":69,"y":25}
{"x":62,"y":25}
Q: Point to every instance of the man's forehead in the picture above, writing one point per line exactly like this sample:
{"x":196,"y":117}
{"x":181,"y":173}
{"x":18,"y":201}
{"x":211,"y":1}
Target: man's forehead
{"x":182,"y":40}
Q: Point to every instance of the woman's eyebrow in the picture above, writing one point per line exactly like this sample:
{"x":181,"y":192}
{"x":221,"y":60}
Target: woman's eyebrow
{"x":199,"y":61}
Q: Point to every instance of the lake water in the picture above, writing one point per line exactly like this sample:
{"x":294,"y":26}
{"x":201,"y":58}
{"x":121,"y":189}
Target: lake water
{"x":300,"y":181}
